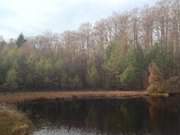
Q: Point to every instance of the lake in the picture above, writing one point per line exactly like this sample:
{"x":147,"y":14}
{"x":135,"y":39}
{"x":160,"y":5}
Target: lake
{"x":140,"y":116}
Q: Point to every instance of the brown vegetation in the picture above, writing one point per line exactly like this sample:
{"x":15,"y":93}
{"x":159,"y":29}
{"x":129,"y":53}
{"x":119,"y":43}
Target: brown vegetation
{"x":156,"y":81}
{"x":159,"y":85}
{"x":27,"y":96}
{"x":113,"y":53}
{"x":13,"y":122}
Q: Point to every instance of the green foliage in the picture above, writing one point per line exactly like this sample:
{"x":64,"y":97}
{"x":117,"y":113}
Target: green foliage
{"x":113,"y":54}
{"x":132,"y":76}
{"x":75,"y":82}
{"x":20,"y":40}
{"x":116,"y":70}
{"x":11,"y":79}
{"x":163,"y":59}
{"x":173,"y":84}
{"x":129,"y":77}
{"x":93,"y":77}
{"x":115,"y":58}
{"x":115,"y":64}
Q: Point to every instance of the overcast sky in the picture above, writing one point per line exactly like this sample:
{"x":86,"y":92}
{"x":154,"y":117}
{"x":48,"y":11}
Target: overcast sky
{"x":33,"y":17}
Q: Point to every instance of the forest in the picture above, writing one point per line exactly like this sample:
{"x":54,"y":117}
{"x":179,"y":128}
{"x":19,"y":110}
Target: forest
{"x":113,"y":53}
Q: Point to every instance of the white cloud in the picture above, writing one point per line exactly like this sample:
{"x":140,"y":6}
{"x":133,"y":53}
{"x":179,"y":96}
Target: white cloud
{"x":36,"y":16}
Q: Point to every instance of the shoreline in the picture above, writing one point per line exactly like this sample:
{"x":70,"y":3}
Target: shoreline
{"x":69,"y":95}
{"x":18,"y":97}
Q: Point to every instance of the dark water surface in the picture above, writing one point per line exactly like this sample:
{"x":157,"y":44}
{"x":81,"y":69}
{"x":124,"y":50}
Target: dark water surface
{"x":158,"y":116}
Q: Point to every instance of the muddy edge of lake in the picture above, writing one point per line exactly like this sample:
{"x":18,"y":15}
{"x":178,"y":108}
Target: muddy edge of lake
{"x":27,"y":96}
{"x":71,"y":95}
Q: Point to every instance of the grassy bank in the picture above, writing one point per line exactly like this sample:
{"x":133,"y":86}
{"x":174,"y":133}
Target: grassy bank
{"x":13,"y":122}
{"x":27,"y":96}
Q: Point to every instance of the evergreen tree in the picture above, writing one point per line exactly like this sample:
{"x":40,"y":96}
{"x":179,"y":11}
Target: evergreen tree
{"x":20,"y":40}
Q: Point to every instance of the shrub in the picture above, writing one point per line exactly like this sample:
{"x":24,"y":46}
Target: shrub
{"x":13,"y":122}
{"x":156,"y":81}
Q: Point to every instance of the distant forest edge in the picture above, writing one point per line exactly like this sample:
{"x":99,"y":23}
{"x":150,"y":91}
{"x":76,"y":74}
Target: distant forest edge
{"x":136,"y":49}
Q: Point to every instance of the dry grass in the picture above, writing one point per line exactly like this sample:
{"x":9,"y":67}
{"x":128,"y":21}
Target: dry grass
{"x":13,"y":122}
{"x":27,"y":96}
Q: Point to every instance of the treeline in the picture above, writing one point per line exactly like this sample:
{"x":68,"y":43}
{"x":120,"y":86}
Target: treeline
{"x":113,"y":53}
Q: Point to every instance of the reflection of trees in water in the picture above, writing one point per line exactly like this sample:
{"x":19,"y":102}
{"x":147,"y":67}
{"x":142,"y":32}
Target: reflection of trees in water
{"x":109,"y":117}
{"x":164,"y":115}
{"x":122,"y":118}
{"x":106,"y":117}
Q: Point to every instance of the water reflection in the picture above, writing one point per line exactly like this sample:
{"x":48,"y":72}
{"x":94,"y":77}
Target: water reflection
{"x":105,"y":117}
{"x":164,"y":116}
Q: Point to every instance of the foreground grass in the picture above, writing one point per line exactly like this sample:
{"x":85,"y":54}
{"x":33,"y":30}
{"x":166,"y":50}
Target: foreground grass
{"x":13,"y":122}
{"x":28,"y":96}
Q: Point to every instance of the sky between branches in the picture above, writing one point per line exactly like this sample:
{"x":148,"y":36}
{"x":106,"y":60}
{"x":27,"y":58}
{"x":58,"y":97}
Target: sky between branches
{"x":33,"y":17}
